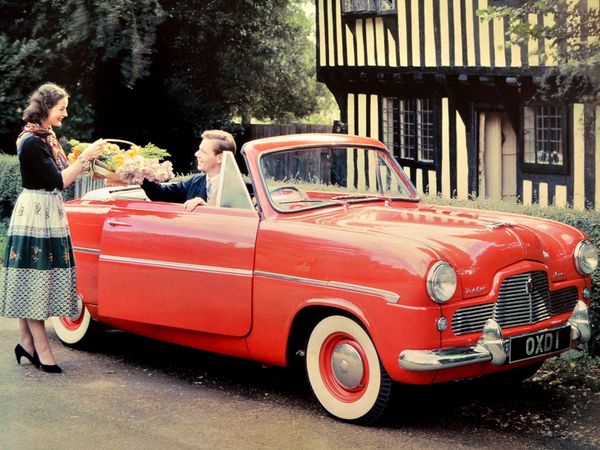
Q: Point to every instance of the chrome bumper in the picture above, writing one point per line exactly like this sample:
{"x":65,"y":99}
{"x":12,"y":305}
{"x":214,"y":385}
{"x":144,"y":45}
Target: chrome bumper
{"x":491,"y":347}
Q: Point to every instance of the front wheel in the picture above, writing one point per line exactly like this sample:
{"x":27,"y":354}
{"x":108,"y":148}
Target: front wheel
{"x":79,"y":331}
{"x":345,"y":372}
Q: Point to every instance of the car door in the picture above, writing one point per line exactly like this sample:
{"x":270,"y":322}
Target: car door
{"x":162,"y":265}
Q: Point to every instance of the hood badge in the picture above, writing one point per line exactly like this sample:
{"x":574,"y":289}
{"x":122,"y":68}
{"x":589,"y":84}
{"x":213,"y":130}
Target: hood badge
{"x":474,"y":290}
{"x":529,"y":285}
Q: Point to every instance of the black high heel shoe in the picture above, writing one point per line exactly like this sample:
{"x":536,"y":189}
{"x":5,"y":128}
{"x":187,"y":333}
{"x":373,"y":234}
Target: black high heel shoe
{"x":20,"y":352}
{"x":51,"y":369}
{"x":54,"y":368}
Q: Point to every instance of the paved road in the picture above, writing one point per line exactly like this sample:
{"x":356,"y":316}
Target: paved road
{"x":133,"y":393}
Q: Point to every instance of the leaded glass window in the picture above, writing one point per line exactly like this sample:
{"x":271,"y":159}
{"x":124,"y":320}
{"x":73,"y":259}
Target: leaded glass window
{"x":368,"y":6}
{"x":408,"y":128}
{"x":544,"y":135}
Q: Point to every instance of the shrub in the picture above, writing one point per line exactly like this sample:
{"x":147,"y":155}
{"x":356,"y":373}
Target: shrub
{"x":587,"y":221}
{"x":3,"y":230}
{"x":10,"y":183}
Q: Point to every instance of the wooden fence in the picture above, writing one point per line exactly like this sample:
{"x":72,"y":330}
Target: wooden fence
{"x":256,"y":131}
{"x":86,"y":183}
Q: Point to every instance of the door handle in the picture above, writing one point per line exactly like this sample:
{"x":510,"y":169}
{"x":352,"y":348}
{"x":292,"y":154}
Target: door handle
{"x":118,"y":223}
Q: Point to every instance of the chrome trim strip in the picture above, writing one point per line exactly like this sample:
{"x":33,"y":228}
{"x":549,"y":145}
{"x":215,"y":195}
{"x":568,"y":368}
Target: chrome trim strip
{"x":390,"y":297}
{"x":93,"y":251}
{"x":177,"y":265}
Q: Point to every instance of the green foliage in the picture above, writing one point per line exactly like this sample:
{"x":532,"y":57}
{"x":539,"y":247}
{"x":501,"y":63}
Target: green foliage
{"x":573,"y":368}
{"x":3,"y":230}
{"x":158,"y":70}
{"x":16,"y":75}
{"x":151,"y":151}
{"x":65,"y":41}
{"x":571,"y":39}
{"x":10,"y":183}
{"x":259,"y":51}
{"x":124,"y":31}
{"x":587,"y":221}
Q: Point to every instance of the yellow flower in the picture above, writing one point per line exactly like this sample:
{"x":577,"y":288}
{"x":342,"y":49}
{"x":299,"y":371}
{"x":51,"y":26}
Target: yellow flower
{"x":118,"y":159}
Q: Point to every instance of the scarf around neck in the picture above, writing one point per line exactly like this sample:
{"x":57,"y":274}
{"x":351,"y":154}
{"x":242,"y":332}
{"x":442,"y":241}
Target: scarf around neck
{"x":49,"y":137}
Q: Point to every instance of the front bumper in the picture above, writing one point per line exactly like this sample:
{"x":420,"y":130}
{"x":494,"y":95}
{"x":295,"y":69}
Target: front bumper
{"x":491,"y":347}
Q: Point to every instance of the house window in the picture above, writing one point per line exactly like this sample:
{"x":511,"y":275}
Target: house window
{"x":544,"y":136}
{"x":408,"y":128}
{"x":369,"y":6}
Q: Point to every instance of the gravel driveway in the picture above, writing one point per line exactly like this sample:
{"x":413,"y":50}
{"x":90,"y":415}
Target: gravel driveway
{"x":136,"y":393}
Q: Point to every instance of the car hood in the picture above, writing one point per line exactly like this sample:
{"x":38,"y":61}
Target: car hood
{"x":477,"y":243}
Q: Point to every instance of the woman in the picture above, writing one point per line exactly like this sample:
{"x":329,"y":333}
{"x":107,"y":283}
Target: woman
{"x":38,"y":271}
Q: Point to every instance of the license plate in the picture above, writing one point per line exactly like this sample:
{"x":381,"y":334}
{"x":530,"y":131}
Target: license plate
{"x":537,"y":344}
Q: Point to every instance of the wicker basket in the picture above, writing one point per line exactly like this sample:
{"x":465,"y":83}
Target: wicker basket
{"x":101,"y":170}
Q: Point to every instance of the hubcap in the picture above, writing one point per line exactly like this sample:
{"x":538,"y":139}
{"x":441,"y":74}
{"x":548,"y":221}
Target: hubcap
{"x":347,"y":365}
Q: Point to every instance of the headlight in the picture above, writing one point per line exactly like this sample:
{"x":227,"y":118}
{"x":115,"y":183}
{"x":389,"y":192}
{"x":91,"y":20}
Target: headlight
{"x":586,"y":257}
{"x":441,"y":282}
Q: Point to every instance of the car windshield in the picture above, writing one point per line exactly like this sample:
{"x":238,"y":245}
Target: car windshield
{"x":306,"y":178}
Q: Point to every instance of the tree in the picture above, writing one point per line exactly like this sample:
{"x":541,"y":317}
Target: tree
{"x":213,"y":61}
{"x":158,"y":70}
{"x":574,"y":38}
{"x":248,"y":57}
{"x":65,"y":41}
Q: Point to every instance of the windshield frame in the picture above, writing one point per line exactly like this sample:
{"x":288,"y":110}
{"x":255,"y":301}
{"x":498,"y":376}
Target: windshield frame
{"x":360,"y":198}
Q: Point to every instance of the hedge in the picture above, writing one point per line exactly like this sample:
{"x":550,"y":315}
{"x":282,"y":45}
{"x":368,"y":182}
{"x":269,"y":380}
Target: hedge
{"x":10,"y":183}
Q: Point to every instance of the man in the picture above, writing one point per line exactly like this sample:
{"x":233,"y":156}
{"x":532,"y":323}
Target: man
{"x":200,"y":189}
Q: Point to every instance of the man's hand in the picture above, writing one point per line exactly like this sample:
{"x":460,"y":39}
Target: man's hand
{"x":193,"y":203}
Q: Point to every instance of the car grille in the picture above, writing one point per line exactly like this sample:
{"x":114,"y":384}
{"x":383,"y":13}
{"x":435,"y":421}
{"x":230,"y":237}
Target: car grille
{"x":523,"y":299}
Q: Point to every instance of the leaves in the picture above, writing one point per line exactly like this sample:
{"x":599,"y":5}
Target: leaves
{"x":571,"y":38}
{"x":254,"y":58}
{"x":160,"y":70}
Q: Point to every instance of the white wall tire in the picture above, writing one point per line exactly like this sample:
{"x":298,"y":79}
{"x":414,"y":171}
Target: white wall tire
{"x":344,"y":371}
{"x":76,"y":331}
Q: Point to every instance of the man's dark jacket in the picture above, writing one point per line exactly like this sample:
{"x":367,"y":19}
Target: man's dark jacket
{"x":195,"y":186}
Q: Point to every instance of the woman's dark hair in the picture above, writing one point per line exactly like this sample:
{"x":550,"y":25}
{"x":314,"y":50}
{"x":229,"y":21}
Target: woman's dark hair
{"x":43,"y":100}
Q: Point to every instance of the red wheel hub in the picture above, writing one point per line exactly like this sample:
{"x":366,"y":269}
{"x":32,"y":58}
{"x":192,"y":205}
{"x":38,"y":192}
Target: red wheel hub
{"x":344,"y":367}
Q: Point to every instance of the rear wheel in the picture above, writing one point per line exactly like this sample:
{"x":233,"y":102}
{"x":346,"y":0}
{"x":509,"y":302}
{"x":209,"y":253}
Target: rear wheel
{"x":345,"y":372}
{"x":79,"y":330}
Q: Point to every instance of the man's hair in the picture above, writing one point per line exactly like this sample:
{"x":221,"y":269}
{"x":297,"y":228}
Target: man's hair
{"x":42,"y":101}
{"x":226,"y":143}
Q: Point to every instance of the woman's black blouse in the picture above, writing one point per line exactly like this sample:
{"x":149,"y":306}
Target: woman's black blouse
{"x":38,"y":167}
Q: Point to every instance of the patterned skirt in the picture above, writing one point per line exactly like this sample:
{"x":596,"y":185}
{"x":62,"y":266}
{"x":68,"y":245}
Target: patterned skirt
{"x":37,"y":277}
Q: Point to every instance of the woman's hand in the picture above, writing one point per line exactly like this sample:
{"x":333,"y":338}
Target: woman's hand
{"x":192,"y":203}
{"x":83,"y":162}
{"x":93,"y":151}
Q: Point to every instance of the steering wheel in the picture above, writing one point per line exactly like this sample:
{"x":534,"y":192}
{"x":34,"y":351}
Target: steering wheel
{"x":288,"y":194}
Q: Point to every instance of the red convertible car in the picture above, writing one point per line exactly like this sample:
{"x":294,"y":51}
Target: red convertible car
{"x":333,"y":259}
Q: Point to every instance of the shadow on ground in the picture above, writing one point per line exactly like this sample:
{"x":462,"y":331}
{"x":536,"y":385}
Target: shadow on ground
{"x":557,"y":414}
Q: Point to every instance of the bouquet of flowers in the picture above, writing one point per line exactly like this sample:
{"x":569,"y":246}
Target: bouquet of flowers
{"x":130,"y":166}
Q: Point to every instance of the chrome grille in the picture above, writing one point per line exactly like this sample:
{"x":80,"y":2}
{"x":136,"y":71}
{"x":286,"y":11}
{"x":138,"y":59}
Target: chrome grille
{"x":563,"y":300}
{"x":522,"y":299}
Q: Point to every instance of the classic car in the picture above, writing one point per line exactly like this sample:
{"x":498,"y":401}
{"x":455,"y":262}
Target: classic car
{"x":332,"y":259}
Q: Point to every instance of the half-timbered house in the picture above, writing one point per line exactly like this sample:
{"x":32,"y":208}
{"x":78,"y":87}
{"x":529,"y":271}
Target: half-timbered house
{"x":455,"y":103}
